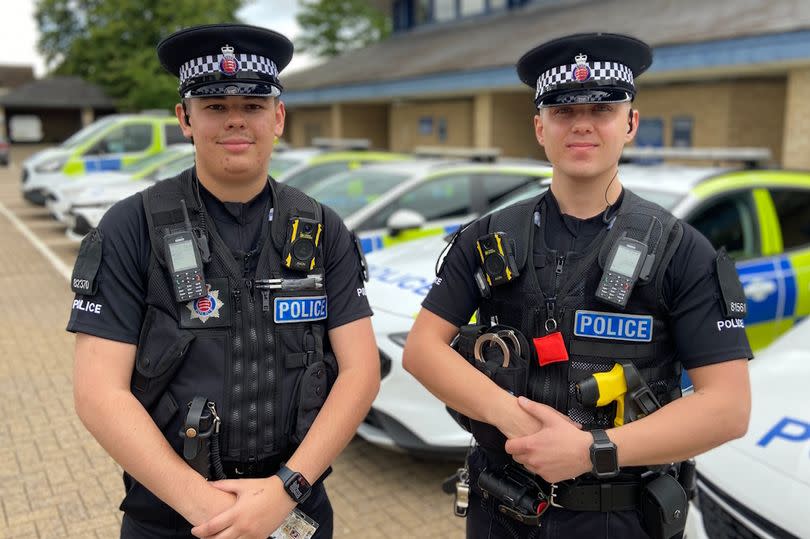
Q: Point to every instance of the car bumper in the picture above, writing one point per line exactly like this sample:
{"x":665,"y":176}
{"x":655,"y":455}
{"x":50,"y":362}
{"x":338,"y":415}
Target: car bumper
{"x":36,"y":196}
{"x":405,"y":415}
{"x":57,"y":208}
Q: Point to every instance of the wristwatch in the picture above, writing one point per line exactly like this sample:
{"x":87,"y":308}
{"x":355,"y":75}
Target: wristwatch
{"x":604,"y":457}
{"x":295,"y":484}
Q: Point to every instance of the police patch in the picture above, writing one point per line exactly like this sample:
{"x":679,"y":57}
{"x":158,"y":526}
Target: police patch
{"x":625,"y":327}
{"x":299,"y":309}
{"x":205,"y":307}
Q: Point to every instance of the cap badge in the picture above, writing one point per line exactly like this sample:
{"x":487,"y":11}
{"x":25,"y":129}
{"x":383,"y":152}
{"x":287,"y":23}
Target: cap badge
{"x":581,"y":71}
{"x":229,"y":65}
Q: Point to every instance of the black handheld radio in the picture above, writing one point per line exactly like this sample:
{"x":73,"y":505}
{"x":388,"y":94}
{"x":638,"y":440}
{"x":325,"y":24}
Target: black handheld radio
{"x":185,"y":264}
{"x":624,"y":263}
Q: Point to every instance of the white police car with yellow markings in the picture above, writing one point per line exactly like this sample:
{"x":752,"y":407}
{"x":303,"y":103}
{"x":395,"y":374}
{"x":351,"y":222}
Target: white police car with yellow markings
{"x":758,"y":486}
{"x":759,"y":215}
{"x":396,"y":202}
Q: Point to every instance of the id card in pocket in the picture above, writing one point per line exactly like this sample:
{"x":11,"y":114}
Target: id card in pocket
{"x":296,"y":526}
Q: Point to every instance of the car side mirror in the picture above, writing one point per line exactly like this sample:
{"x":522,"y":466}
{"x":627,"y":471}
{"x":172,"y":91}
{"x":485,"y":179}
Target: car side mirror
{"x":403,"y":219}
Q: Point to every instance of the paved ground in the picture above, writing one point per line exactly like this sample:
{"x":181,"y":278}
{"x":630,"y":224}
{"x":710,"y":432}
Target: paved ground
{"x":56,"y":481}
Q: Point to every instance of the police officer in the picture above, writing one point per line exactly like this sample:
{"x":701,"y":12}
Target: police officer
{"x":586,"y":296}
{"x":216,"y":311}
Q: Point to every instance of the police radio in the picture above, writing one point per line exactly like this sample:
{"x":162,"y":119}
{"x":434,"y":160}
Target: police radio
{"x":624,"y":263}
{"x":497,"y":258}
{"x":301,"y":247}
{"x":185,"y":265}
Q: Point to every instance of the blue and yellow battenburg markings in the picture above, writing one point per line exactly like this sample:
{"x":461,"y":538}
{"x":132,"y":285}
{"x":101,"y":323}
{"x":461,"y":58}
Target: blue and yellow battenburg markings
{"x":770,"y":287}
{"x":624,"y":327}
{"x":299,"y":309}
{"x":102,"y":164}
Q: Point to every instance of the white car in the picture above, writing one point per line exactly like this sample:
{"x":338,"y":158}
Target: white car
{"x":289,"y":161}
{"x":759,"y":486}
{"x":405,"y":415}
{"x":399,"y":201}
{"x":64,"y":194}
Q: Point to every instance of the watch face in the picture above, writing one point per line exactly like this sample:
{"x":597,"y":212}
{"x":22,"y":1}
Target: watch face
{"x":604,"y":460}
{"x":298,"y":487}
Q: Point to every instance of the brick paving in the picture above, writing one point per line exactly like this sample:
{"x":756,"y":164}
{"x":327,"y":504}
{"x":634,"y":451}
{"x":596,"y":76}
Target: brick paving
{"x":56,"y":481}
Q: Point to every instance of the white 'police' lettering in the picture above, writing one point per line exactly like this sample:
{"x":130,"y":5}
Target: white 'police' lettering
{"x":361,"y":291}
{"x":625,"y":327}
{"x":88,"y":307}
{"x":300,"y":309}
{"x":730,"y":324}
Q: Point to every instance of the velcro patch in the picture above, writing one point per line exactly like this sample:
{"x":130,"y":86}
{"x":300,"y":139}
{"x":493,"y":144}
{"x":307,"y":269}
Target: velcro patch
{"x":299,"y":309}
{"x":624,"y":327}
{"x":83,"y":281}
{"x":732,"y":295}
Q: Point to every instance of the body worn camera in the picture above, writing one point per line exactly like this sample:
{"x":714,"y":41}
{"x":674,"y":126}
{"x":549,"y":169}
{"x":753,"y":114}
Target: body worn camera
{"x":497,"y":258}
{"x":301,"y":247}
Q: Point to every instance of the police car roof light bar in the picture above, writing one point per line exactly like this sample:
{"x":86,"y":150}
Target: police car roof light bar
{"x":751,"y":157}
{"x":483,"y":155}
{"x":341,"y":143}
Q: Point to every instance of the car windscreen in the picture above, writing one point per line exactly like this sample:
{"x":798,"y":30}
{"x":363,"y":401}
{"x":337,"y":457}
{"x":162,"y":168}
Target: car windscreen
{"x":173,"y":168}
{"x":87,"y":132}
{"x":665,"y":199}
{"x":347,"y":192}
{"x":280,"y":165}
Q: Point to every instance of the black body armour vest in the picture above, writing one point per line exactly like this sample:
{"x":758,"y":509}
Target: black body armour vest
{"x":562,"y":287}
{"x":260,"y":355}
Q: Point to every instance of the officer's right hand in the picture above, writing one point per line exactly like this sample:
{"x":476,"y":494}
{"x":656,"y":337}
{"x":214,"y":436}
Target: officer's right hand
{"x":517,"y":422}
{"x":209,"y":502}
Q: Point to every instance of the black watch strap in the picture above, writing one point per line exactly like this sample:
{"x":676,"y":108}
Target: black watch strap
{"x":295,"y":484}
{"x":604,"y":456}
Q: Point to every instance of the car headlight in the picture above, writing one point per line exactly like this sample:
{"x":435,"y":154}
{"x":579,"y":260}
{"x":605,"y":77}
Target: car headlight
{"x":399,"y":338}
{"x":51,"y":165}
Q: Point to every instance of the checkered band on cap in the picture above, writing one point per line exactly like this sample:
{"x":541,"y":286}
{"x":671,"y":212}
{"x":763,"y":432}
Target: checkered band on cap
{"x":600,"y":71}
{"x":210,"y":64}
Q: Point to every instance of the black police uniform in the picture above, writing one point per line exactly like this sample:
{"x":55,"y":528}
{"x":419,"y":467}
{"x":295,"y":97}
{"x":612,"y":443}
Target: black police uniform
{"x":562,"y":259}
{"x":261,"y":355}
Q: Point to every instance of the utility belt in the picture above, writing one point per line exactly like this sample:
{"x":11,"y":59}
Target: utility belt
{"x":661,"y":493}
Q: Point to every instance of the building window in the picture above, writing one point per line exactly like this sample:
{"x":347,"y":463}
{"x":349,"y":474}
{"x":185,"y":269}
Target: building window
{"x":444,"y":10}
{"x":472,"y":7}
{"x":426,"y":126}
{"x":682,"y":131}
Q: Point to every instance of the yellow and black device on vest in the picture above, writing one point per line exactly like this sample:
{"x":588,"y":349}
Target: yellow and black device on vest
{"x":184,"y":261}
{"x":301,"y":247}
{"x":497,"y":258}
{"x":623,"y":385}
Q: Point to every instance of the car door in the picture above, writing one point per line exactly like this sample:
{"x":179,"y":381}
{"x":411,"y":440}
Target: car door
{"x":792,"y":208}
{"x":120,"y":146}
{"x":445,"y":202}
{"x":744,"y":223}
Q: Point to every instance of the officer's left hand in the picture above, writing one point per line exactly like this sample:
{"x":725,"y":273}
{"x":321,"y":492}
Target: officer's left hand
{"x":558,"y":451}
{"x":260,"y":508}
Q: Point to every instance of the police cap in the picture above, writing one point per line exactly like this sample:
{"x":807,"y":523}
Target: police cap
{"x":585,"y":68}
{"x":226,"y":59}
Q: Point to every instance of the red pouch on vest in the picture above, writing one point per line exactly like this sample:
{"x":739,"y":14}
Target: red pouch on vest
{"x":550,"y":349}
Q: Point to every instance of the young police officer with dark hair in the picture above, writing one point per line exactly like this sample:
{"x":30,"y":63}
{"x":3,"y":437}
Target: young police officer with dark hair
{"x":595,"y":278}
{"x":226,"y":308}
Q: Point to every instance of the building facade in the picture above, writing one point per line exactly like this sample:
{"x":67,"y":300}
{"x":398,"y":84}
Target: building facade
{"x":732,"y":73}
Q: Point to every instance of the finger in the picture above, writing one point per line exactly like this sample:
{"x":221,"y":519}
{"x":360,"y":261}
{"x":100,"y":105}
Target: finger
{"x":227,"y":485}
{"x":214,"y":526}
{"x":535,"y":409}
{"x":517,"y":446}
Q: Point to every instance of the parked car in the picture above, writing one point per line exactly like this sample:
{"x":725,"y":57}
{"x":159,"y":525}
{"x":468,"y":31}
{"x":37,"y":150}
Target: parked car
{"x":108,"y":144}
{"x":91,"y":187}
{"x":396,"y":202}
{"x":760,"y":216}
{"x":759,"y":485}
{"x":4,"y":151}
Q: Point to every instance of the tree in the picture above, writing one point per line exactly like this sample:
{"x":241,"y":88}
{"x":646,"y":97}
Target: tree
{"x":112,"y":42}
{"x":332,"y":27}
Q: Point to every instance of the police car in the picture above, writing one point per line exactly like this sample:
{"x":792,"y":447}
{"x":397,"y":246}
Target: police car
{"x":107,"y":144}
{"x":759,"y":485}
{"x":93,"y":188}
{"x":396,"y":202}
{"x":759,"y":215}
{"x":291,"y":160}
